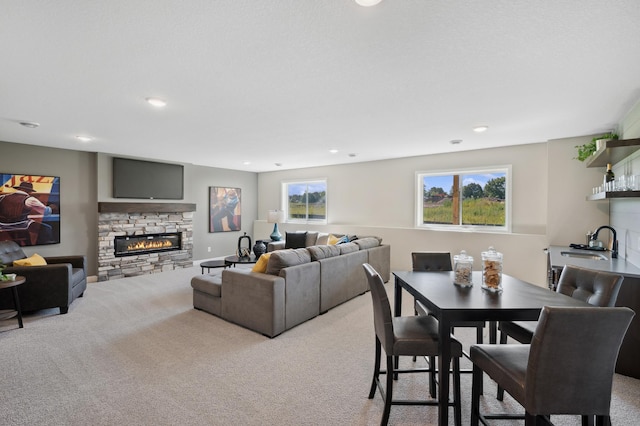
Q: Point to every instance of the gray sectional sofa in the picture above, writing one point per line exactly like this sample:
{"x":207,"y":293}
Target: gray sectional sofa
{"x":298,"y":285}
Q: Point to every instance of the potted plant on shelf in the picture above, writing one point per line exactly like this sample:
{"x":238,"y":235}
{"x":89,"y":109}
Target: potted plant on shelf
{"x":587,"y":149}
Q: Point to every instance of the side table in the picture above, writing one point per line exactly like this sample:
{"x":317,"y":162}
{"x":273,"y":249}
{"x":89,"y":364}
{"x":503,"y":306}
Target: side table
{"x":234,"y":260}
{"x":10,"y":313}
{"x":210,"y":264}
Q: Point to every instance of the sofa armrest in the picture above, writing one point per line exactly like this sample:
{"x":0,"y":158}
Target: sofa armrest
{"x":46,"y":286}
{"x":275,"y":245}
{"x":75,"y":261}
{"x":254,"y":300}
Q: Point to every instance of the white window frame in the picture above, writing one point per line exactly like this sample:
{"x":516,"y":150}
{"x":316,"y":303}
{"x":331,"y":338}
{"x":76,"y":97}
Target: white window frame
{"x":285,"y":200}
{"x":464,"y":171}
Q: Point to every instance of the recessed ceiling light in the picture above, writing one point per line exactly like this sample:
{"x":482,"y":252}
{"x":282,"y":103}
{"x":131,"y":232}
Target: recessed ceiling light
{"x":84,"y":138}
{"x":29,"y":124}
{"x":246,"y":163}
{"x":367,"y":3}
{"x":480,"y":129}
{"x":455,"y":141}
{"x":278,"y":164}
{"x":352,"y":155}
{"x":333,"y":151}
{"x":157,"y":102}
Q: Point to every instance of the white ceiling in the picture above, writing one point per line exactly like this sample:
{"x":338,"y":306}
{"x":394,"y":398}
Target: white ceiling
{"x":284,"y":81}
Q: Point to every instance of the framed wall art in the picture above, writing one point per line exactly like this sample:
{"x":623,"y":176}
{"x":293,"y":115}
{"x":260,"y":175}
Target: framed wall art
{"x":30,"y":209}
{"x":225,"y":209}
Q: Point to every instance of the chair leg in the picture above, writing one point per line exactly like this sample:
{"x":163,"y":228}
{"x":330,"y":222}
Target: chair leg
{"x":587,"y":421}
{"x":389,"y":392}
{"x":503,"y":341}
{"x":603,"y":421}
{"x":376,"y":369}
{"x":475,"y":396}
{"x":457,"y":405}
{"x":479,"y":340}
{"x":432,"y":377}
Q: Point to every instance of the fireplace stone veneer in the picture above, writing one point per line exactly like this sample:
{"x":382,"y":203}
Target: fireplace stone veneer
{"x":122,"y":219}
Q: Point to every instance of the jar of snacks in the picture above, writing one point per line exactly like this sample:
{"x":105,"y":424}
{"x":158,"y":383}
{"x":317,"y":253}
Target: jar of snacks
{"x":462,"y":268}
{"x":492,"y":270}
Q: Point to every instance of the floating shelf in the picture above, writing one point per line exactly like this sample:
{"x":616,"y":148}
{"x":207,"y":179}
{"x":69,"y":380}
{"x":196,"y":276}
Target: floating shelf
{"x":613,"y":194}
{"x":613,"y":152}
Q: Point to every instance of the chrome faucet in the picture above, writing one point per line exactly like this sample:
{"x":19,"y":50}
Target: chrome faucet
{"x":614,"y":245}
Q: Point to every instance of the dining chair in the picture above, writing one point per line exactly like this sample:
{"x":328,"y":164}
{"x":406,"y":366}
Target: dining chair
{"x":566,"y":369}
{"x":438,"y":262}
{"x":597,"y":288}
{"x":405,"y":336}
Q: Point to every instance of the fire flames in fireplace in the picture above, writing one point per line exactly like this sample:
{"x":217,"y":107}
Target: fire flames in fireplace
{"x":148,"y":243}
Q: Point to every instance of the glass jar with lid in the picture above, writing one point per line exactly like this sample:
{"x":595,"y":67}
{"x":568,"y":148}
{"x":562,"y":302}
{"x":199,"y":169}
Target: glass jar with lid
{"x":492,"y":270}
{"x":462,"y":269}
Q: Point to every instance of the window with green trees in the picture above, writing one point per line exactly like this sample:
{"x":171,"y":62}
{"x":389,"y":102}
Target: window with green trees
{"x":306,"y":201}
{"x":470,"y":199}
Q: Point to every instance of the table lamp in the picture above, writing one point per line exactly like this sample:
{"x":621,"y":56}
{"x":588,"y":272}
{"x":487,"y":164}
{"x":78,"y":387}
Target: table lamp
{"x":275,"y":217}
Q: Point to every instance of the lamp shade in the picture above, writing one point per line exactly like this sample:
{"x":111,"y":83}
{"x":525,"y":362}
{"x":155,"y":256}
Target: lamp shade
{"x":275,"y":216}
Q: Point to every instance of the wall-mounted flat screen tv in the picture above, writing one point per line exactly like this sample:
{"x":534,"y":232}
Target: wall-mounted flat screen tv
{"x":147,"y":180}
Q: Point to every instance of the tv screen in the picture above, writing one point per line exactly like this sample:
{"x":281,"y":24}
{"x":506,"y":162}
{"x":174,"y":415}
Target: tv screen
{"x":147,"y":179}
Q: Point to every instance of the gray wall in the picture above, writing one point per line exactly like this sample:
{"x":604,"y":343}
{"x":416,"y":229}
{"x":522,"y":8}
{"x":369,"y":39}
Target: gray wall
{"x":78,"y":202}
{"x":197,"y":180}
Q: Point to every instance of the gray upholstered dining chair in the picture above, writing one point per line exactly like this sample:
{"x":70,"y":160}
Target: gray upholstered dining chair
{"x":433,"y":261}
{"x":597,"y":288}
{"x":567,"y":369}
{"x":405,"y":336}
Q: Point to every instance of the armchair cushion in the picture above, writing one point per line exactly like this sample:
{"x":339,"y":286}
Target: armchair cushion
{"x":33,"y":260}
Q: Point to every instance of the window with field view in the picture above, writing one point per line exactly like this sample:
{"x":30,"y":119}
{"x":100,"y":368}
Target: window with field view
{"x":478,"y":198}
{"x":306,"y":201}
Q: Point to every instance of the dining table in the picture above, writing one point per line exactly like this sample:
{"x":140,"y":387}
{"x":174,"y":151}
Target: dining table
{"x":453,"y":304}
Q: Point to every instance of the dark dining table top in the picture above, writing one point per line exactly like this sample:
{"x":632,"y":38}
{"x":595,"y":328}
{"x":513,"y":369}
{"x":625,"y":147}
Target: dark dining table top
{"x":517,"y":300}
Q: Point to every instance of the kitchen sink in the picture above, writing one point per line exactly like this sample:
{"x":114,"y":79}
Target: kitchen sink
{"x":590,"y":256}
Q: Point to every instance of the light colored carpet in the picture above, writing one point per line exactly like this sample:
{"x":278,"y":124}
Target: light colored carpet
{"x":135,"y":352}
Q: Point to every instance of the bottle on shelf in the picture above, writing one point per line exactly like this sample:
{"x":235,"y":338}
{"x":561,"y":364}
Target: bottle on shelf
{"x":609,"y":176}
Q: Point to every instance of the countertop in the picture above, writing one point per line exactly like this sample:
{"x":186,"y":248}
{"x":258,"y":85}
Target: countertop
{"x":619,"y":266}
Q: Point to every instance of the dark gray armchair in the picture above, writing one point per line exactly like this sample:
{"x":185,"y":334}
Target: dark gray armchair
{"x":54,"y":285}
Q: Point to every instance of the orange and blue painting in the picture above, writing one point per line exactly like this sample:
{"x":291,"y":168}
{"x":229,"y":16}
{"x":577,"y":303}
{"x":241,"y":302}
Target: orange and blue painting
{"x":30,"y":209}
{"x":225,"y":209}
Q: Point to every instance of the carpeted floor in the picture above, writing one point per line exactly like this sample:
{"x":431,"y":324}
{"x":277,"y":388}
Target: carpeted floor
{"x":135,"y":352}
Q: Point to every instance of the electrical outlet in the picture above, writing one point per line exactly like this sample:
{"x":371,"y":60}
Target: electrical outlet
{"x":209,"y":249}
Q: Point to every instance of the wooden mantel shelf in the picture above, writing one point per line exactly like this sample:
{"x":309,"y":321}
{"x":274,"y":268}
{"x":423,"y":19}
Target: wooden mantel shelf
{"x":146,"y":207}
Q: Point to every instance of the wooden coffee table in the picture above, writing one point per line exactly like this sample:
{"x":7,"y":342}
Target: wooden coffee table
{"x":235,"y":260}
{"x":10,"y":313}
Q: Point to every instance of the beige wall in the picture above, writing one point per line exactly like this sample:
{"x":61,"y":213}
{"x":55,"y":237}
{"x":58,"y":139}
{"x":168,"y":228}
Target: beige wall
{"x":378,"y":198}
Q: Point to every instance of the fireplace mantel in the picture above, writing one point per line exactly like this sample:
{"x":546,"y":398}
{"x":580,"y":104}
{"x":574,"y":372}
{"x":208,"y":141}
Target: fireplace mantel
{"x":145,"y":207}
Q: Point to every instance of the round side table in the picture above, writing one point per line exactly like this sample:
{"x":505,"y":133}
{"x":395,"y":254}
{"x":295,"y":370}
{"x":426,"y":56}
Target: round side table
{"x":10,"y":313}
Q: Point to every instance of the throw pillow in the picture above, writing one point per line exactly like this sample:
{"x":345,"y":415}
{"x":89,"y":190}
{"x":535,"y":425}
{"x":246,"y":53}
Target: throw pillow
{"x":343,"y":240}
{"x":33,"y":260}
{"x":295,"y":240}
{"x":332,"y":240}
{"x":261,"y":264}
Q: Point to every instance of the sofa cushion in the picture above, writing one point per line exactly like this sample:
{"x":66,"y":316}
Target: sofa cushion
{"x":33,"y":260}
{"x":312,"y":239}
{"x":348,"y":248}
{"x":261,"y":263}
{"x":210,"y":284}
{"x":323,"y":252}
{"x":284,"y":258}
{"x":367,"y":243}
{"x":295,"y":240}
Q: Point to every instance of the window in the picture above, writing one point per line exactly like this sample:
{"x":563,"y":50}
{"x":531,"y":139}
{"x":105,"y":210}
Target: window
{"x":474,"y":199}
{"x":306,"y":201}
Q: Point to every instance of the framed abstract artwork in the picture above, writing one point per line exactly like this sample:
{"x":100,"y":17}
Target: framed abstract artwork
{"x":225,"y":209}
{"x":30,"y":209}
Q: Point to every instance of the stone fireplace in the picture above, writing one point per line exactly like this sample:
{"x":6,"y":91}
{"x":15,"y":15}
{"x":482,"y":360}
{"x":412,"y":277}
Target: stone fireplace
{"x":143,"y":238}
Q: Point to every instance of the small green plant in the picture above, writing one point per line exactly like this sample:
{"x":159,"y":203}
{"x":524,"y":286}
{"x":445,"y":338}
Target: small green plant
{"x":586,"y":150}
